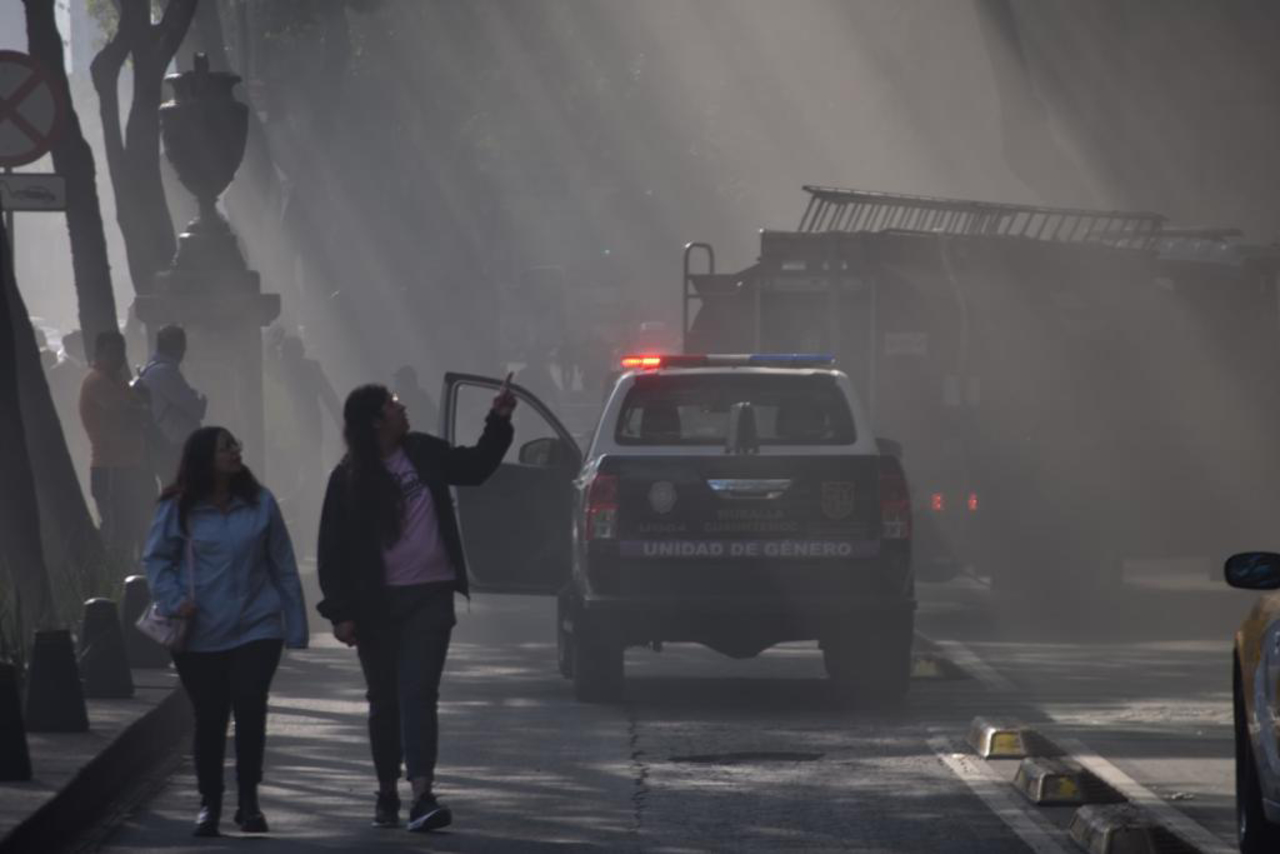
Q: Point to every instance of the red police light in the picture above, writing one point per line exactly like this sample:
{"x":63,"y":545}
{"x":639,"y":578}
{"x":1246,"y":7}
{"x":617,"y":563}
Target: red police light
{"x":641,"y":362}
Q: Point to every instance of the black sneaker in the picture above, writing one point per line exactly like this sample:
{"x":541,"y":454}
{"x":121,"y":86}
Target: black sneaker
{"x":249,"y":815}
{"x":428,"y":814}
{"x":386,"y":813}
{"x":251,"y":822}
{"x":208,"y":818}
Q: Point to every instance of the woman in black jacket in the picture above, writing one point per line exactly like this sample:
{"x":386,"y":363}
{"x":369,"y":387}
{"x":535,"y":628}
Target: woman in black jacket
{"x":390,"y":560}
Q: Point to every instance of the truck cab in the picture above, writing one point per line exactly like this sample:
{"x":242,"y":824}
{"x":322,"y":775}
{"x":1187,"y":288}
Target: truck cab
{"x":733,"y":501}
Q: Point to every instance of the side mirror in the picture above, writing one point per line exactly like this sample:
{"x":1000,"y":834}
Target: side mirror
{"x":1253,"y":571}
{"x":889,"y":447}
{"x":548,"y":452}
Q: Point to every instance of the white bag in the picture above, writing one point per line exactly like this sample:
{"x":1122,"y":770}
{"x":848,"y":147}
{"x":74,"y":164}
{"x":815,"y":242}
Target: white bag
{"x":170,"y":631}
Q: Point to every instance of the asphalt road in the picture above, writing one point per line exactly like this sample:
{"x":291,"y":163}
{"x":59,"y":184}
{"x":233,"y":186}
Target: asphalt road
{"x":711,"y":754}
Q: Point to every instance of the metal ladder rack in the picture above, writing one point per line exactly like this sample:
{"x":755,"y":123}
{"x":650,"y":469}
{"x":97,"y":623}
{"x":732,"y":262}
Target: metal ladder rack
{"x":834,"y":209}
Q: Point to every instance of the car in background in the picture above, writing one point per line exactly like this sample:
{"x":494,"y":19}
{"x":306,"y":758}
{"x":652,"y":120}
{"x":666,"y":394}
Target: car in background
{"x":1256,"y":701}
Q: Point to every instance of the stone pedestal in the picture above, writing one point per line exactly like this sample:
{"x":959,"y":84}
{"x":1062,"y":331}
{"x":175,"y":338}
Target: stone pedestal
{"x":223,"y":312}
{"x":209,"y":290}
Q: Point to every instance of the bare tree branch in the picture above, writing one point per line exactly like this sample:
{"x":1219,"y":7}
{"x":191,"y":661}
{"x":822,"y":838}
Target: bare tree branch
{"x":105,"y":68}
{"x":133,"y":152}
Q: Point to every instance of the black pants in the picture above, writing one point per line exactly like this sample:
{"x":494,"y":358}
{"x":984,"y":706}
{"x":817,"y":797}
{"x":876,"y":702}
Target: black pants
{"x":403,"y":658}
{"x":219,"y":683}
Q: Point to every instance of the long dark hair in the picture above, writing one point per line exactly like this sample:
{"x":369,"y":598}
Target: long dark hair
{"x":372,"y":489}
{"x":194,"y":481}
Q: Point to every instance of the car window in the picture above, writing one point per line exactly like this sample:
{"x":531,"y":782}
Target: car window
{"x":693,"y":409}
{"x":472,"y":404}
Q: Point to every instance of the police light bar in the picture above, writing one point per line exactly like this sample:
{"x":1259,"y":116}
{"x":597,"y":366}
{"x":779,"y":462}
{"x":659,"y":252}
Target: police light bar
{"x":791,"y":360}
{"x":635,"y":362}
{"x":729,"y":360}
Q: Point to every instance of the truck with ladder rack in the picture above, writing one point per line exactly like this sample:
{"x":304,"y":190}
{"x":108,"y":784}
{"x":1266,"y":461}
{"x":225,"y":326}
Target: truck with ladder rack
{"x":1072,"y":388}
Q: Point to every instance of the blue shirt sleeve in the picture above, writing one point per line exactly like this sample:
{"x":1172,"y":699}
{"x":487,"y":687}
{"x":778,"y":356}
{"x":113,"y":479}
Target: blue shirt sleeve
{"x":283,"y":568}
{"x":162,"y":559}
{"x":166,"y":381}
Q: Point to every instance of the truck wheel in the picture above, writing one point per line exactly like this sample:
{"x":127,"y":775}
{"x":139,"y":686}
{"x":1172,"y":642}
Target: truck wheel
{"x":873,"y":663}
{"x":597,"y":664}
{"x":564,"y":640}
{"x":1255,"y":833}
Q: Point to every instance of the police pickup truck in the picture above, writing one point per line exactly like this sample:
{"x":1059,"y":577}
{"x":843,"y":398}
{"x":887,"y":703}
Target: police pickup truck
{"x":733,"y":501}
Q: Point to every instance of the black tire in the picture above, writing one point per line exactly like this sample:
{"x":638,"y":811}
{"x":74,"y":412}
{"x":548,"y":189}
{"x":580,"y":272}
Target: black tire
{"x":872,"y":663}
{"x":564,"y":640}
{"x":598,"y":674}
{"x":1255,"y":834}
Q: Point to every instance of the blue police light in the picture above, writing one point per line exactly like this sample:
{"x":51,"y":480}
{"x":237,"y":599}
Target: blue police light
{"x":793,"y":360}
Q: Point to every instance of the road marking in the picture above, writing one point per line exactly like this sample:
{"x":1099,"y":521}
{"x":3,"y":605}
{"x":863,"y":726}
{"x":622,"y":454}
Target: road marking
{"x":1135,"y":792}
{"x":966,"y":659}
{"x":1160,"y":809}
{"x":1031,"y":827}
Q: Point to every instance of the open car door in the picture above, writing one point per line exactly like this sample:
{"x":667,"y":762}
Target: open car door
{"x":517,"y":527}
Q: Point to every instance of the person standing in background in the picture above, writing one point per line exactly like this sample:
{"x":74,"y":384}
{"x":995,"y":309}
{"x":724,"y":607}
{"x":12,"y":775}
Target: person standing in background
{"x":176,"y":408}
{"x":417,"y":400}
{"x":65,"y":379}
{"x":308,"y":391}
{"x":115,"y":420}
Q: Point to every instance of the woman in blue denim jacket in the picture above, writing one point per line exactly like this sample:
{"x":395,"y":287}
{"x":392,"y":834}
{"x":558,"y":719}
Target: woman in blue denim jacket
{"x":218,"y":525}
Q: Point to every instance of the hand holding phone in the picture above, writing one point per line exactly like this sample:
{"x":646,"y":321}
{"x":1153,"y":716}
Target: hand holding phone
{"x":505,"y":403}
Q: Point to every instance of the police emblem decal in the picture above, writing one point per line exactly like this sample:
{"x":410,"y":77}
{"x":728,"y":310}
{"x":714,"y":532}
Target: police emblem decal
{"x":837,"y":498}
{"x":662,"y":496}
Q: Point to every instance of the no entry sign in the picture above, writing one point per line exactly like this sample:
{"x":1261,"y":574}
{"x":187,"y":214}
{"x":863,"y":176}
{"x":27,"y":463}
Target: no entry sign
{"x":31,"y":110}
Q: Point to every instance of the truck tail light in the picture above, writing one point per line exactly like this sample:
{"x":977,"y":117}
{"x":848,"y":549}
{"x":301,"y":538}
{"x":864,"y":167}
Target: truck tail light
{"x":895,"y":501}
{"x":601,"y":521}
{"x":973,"y":502}
{"x":937,"y":502}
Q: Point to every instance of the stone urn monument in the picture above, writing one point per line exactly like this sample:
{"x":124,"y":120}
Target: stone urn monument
{"x":209,"y":289}
{"x":204,"y":129}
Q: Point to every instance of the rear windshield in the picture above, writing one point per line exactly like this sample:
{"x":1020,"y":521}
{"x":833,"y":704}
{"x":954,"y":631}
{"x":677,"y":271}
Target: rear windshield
{"x":694,"y":409}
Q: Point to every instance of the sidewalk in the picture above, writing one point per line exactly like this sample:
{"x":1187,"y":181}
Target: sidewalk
{"x":524,"y":768}
{"x":77,"y":778}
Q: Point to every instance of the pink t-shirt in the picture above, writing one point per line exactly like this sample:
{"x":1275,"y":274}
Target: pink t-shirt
{"x":419,"y":555}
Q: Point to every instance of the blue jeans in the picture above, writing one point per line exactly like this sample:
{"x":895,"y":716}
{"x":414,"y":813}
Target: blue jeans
{"x":403,"y":658}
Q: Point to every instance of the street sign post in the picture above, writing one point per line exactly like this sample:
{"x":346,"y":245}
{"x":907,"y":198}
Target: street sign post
{"x":32,"y":113}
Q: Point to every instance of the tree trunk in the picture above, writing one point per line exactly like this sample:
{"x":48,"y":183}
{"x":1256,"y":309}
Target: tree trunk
{"x":72,"y":547}
{"x":73,"y":159}
{"x":21,"y":552}
{"x":105,"y":71}
{"x":133,"y":156}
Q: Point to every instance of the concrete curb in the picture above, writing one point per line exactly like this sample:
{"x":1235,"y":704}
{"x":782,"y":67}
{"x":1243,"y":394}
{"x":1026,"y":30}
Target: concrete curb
{"x":88,"y":796}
